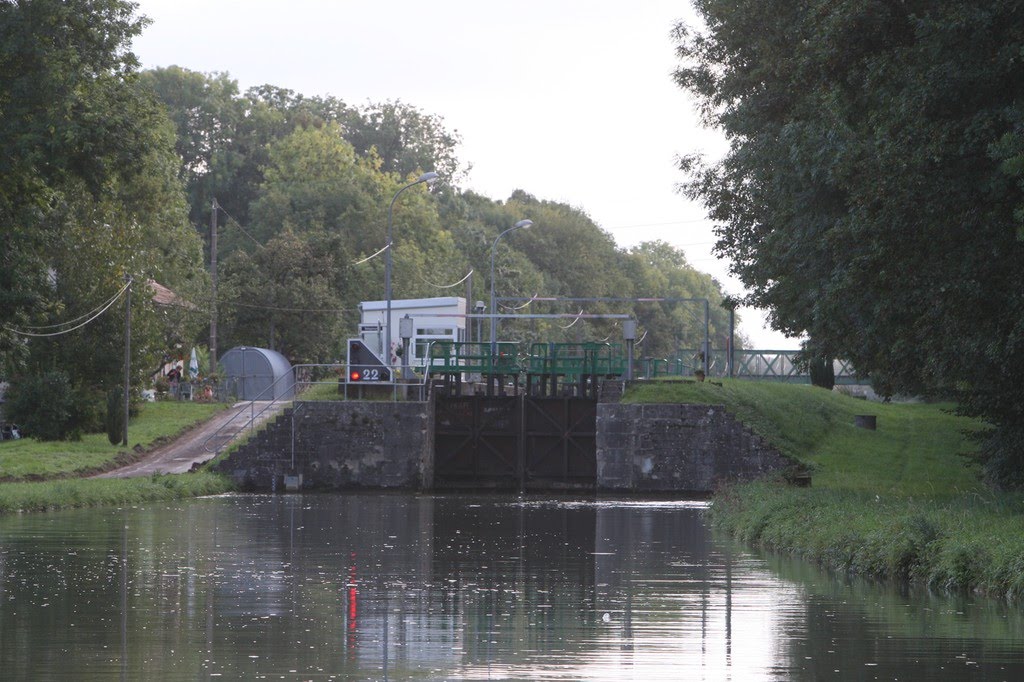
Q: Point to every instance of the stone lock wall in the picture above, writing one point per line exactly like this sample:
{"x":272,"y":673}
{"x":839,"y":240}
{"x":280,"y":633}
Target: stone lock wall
{"x":340,"y":444}
{"x":365,"y":444}
{"x":659,"y":447}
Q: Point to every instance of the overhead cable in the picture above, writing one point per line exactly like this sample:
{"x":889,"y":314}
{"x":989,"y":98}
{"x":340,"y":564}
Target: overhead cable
{"x":77,"y":319}
{"x":519,"y":307}
{"x":448,"y":286}
{"x":238,"y":224}
{"x":68,"y":331}
{"x":360,"y":262}
{"x":579,"y":316}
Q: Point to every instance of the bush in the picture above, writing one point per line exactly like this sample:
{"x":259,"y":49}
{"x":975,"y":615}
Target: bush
{"x":87,"y":413}
{"x":45,"y":406}
{"x":115,"y":415}
{"x":822,"y":372}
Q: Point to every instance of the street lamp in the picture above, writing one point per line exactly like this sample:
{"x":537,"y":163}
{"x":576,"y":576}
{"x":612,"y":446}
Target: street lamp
{"x":426,"y":177}
{"x":494,"y":310}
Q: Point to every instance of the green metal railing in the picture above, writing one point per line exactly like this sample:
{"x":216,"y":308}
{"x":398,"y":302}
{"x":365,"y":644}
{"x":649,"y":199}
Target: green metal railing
{"x":456,"y":357}
{"x":573,"y":360}
{"x":576,"y":359}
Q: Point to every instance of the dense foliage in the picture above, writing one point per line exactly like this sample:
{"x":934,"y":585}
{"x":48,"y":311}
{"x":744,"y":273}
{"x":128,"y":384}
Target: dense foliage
{"x":44,"y":406}
{"x":89,"y":194}
{"x":108,"y":173}
{"x":305,"y":184}
{"x":873,"y":193}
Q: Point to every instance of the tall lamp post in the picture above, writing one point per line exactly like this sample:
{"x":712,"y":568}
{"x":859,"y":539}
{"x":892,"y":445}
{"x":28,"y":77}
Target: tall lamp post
{"x":494,"y":310}
{"x":426,"y":177}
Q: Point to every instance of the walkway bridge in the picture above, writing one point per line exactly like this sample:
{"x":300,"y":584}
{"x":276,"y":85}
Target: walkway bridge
{"x":549,"y":369}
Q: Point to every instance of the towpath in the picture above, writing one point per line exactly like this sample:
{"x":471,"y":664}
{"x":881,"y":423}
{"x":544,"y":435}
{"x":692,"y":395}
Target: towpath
{"x":180,"y":455}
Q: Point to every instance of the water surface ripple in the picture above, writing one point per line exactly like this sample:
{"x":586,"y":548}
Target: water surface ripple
{"x":421,"y":587}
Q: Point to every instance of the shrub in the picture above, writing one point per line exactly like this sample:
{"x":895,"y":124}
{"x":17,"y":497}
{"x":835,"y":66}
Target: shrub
{"x":115,"y":415}
{"x":822,"y":372}
{"x":44,"y":405}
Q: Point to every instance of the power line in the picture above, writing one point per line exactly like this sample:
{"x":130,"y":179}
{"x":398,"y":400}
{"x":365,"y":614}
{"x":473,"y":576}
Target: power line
{"x":578,"y":318}
{"x":518,"y":307}
{"x":280,"y":309}
{"x":239,"y":225}
{"x":360,"y":262}
{"x":674,"y":222}
{"x":73,"y":321}
{"x":447,"y":286}
{"x":68,"y":331}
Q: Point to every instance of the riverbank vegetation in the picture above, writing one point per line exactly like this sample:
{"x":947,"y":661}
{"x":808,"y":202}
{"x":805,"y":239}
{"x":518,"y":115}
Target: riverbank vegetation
{"x":905,"y":501}
{"x":872,"y":194}
{"x":28,"y":459}
{"x":70,"y":493}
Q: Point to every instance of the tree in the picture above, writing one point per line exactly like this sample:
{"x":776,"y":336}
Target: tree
{"x":407,"y":140}
{"x":322,"y":212}
{"x":67,"y":128}
{"x":872,"y":196}
{"x":283,"y":298}
{"x":88,"y":190}
{"x":658,"y":269}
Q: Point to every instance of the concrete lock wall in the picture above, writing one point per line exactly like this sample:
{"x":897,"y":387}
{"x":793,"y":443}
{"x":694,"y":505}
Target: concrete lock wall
{"x":655,"y":447}
{"x":339,"y":444}
{"x":362,"y":444}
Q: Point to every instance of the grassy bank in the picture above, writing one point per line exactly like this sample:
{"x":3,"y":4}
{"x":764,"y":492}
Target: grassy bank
{"x":25,"y":465}
{"x":94,"y":492}
{"x":900,"y":502}
{"x":28,"y":459}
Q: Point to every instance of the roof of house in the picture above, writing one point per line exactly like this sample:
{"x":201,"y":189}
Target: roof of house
{"x":164,"y":296}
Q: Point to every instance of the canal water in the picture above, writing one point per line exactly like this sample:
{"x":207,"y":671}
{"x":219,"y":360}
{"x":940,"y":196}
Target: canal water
{"x":430,"y":587}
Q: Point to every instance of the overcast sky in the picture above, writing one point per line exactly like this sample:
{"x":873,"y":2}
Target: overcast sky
{"x":570,"y":101}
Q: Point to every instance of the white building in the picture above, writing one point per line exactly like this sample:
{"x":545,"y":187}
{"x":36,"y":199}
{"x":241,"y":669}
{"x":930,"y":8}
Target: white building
{"x":433,"y":319}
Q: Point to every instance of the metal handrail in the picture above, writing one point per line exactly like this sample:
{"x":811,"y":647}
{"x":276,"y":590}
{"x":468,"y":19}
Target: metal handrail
{"x":253,"y":416}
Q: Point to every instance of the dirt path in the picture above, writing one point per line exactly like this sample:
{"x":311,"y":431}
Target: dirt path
{"x":178,"y":457}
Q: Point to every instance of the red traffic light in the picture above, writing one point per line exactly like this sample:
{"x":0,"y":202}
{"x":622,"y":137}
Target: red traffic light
{"x":354,"y":376}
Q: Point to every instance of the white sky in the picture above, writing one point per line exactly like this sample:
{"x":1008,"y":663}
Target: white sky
{"x":570,"y":101}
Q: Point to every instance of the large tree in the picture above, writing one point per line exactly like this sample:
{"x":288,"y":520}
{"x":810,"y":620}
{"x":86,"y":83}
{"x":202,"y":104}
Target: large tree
{"x":871,"y":195}
{"x":89,"y":189}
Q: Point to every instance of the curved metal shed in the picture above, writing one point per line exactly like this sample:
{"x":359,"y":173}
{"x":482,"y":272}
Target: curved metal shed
{"x":258,"y":374}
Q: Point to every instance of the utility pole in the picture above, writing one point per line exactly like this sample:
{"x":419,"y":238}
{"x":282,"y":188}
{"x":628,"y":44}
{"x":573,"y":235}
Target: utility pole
{"x":213,"y":280}
{"x":469,"y":302}
{"x":127,"y":357}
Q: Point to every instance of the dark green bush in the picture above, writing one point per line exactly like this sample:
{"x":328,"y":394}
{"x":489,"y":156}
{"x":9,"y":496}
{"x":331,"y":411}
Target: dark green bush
{"x":115,"y":415}
{"x":822,"y":372}
{"x":44,"y":406}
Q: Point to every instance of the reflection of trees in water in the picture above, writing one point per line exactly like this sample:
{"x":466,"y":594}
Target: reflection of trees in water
{"x":349,"y":584}
{"x":904,"y":632}
{"x":520,"y":576}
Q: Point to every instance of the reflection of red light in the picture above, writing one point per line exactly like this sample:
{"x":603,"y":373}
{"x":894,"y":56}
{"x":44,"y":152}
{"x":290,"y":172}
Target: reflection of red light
{"x":353,"y":610}
{"x":354,"y":376}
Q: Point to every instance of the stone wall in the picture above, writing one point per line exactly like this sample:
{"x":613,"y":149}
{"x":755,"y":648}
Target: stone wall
{"x":340,"y":444}
{"x":694,"y":448}
{"x":364,"y":444}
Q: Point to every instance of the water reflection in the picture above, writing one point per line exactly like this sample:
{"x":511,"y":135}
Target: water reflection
{"x":374,"y":587}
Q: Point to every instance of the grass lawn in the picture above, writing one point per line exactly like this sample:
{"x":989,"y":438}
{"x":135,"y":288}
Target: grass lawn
{"x":918,"y":449}
{"x":28,"y":459}
{"x":901,"y":502}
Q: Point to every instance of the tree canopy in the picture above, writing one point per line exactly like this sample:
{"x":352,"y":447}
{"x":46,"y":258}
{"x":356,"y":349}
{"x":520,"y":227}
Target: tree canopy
{"x":89,"y":190}
{"x":107,"y":172}
{"x":872,"y":195}
{"x":323,"y":172}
